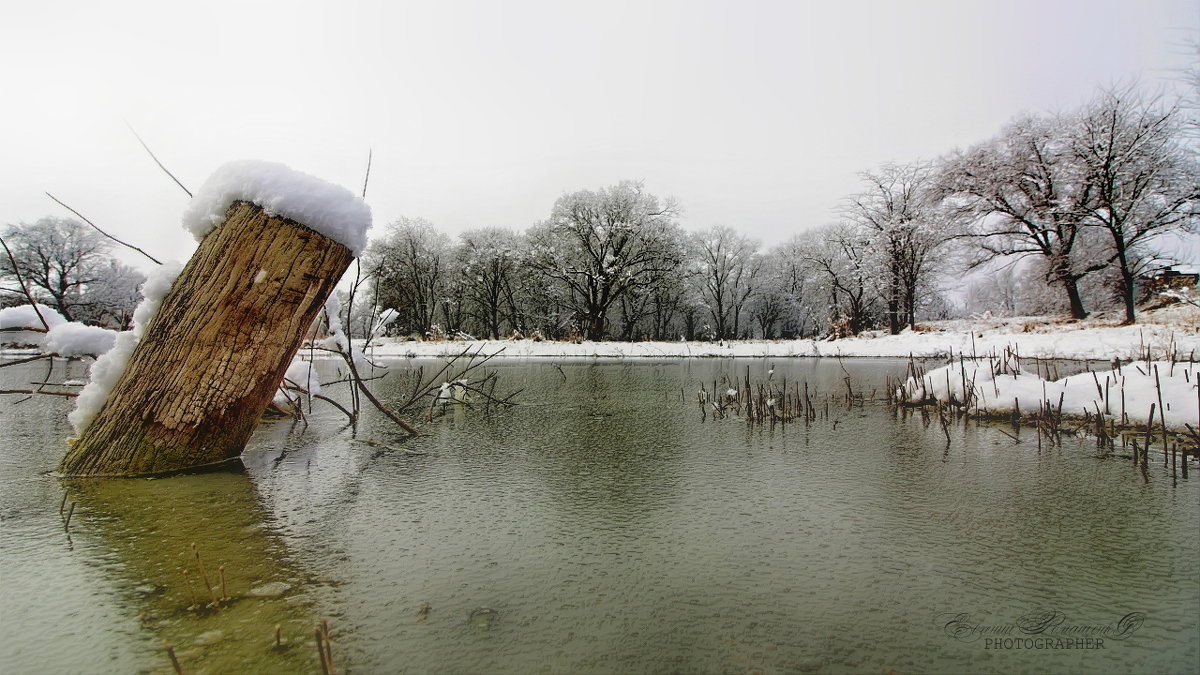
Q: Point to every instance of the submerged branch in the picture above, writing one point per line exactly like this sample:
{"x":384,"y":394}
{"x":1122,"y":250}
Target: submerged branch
{"x":39,"y":391}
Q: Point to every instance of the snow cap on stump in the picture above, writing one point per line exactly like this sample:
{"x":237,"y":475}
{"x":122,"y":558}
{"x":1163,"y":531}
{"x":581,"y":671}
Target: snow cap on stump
{"x":328,"y":209}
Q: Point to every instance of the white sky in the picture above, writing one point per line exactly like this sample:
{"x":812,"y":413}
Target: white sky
{"x":756,"y":115}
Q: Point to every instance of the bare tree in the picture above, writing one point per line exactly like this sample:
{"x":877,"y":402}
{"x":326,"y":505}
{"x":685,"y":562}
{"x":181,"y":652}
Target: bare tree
{"x":770,"y":301}
{"x":489,"y":260}
{"x":898,"y":211}
{"x":1021,"y":194}
{"x":111,"y":301}
{"x":726,"y":265}
{"x":603,"y":245}
{"x":61,"y":258}
{"x":838,"y":257}
{"x":407,"y":266}
{"x":1139,"y":180}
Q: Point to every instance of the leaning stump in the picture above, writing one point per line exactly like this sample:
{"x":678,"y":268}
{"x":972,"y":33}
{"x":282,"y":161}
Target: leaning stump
{"x":211,"y":358}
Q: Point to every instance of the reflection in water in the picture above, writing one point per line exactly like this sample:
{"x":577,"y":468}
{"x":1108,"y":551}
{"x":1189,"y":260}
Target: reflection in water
{"x":212,"y":527}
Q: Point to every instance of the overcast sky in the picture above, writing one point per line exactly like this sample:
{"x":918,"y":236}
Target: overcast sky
{"x":756,"y":115}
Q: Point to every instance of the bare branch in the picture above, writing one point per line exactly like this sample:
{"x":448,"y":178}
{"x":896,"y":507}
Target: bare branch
{"x":160,"y":164}
{"x":26,"y":360}
{"x":21,"y":281}
{"x":95,"y":227}
{"x":367,"y":178}
{"x":39,"y":391}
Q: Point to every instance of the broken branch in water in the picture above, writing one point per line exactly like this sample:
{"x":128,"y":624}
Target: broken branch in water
{"x":37,"y":391}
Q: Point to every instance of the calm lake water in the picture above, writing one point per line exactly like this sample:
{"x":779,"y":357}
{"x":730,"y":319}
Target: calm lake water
{"x":605,"y":527}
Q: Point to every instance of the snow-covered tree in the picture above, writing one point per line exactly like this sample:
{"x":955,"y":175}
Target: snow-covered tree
{"x":1139,"y":181}
{"x":806,"y":300}
{"x":68,"y":265}
{"x":726,"y":264}
{"x":838,"y":258}
{"x":1021,"y":194}
{"x":673,"y":306}
{"x":772,"y":297}
{"x":489,"y":261}
{"x":407,"y":266}
{"x":110,"y":301}
{"x":899,"y":214}
{"x":600,"y":246}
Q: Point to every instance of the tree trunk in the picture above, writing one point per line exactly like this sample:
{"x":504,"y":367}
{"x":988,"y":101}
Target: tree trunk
{"x":1074,"y":297}
{"x":1128,"y":285}
{"x":595,"y":325}
{"x":211,"y":359}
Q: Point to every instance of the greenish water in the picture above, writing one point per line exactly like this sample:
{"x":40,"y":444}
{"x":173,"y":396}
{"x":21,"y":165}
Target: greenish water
{"x":605,"y":527}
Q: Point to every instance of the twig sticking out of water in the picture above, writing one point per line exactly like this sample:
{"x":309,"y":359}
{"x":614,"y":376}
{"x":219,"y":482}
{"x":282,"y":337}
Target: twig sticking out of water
{"x":174,"y":661}
{"x":191,"y":592}
{"x":204,"y":575}
{"x":324,"y":647}
{"x":328,"y":645}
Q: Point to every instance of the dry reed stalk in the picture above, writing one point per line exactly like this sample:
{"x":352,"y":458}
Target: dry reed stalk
{"x":204,"y":576}
{"x":191,"y":592}
{"x":174,"y":661}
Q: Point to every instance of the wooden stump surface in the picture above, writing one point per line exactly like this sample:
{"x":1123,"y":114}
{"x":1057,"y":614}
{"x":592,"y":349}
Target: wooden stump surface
{"x":210,"y":360}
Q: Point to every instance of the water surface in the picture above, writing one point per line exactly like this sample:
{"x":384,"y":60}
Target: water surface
{"x":605,"y":526}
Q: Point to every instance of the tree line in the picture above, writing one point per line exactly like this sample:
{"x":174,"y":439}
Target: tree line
{"x":1056,"y":213}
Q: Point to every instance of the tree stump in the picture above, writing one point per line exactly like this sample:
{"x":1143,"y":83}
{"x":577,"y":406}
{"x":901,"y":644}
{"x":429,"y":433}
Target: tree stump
{"x":211,"y":359}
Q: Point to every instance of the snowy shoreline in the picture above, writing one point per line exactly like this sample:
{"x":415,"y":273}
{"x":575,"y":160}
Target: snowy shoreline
{"x":1173,"y":336}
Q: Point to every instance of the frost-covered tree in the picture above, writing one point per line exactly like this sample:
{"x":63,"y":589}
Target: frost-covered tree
{"x":111,"y":301}
{"x":1021,"y":194}
{"x":489,"y":260}
{"x":994,"y":291}
{"x":407,"y":266}
{"x":726,"y":264}
{"x":800,"y":284}
{"x":898,"y":212}
{"x":601,"y":246}
{"x":673,"y":306}
{"x":1190,"y":102}
{"x":1139,"y":181}
{"x":67,"y":264}
{"x":838,"y":258}
{"x":771,"y":299}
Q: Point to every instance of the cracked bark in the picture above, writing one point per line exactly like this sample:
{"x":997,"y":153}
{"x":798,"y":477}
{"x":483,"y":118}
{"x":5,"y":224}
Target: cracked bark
{"x":210,"y":360}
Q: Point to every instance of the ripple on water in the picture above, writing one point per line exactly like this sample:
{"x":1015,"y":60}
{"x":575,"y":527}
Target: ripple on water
{"x":606,"y":528}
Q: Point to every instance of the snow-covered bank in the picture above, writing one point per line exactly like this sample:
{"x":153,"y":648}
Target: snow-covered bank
{"x":1127,"y":395}
{"x":1174,"y":333}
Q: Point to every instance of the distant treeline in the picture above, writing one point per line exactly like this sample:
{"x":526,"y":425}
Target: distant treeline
{"x":1055,"y":214}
